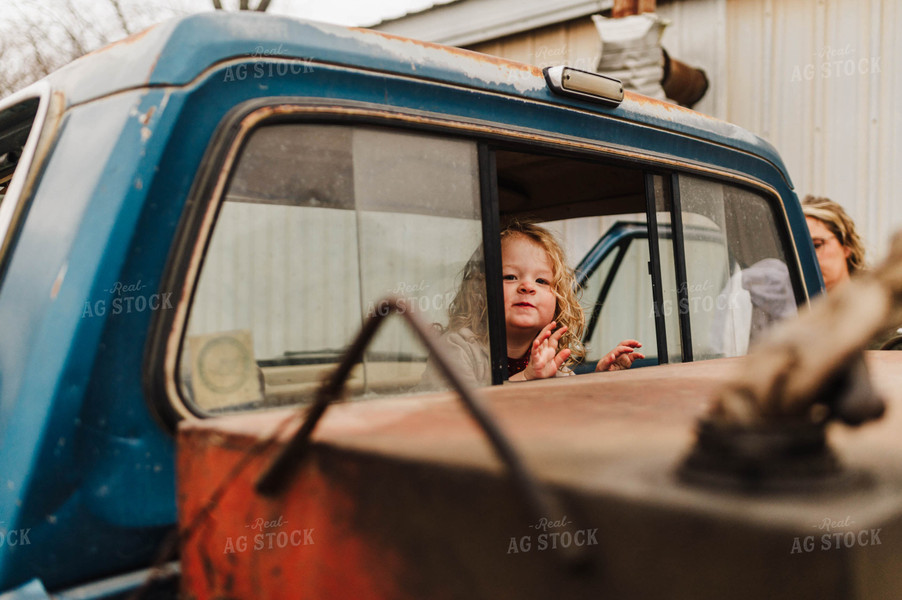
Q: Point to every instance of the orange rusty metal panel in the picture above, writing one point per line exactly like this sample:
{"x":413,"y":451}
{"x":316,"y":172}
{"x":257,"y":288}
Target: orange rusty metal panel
{"x":301,"y":546}
{"x":402,"y":498}
{"x":238,"y":553}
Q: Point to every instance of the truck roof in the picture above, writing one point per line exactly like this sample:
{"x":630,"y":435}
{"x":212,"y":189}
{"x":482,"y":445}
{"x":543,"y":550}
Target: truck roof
{"x":176,"y":52}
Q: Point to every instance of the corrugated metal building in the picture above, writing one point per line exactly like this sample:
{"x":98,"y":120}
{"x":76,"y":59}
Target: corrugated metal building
{"x":817,"y":78}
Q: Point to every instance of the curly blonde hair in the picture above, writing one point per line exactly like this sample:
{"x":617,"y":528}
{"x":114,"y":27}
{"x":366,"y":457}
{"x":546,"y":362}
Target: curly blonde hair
{"x":468,"y":309}
{"x":841,"y":225}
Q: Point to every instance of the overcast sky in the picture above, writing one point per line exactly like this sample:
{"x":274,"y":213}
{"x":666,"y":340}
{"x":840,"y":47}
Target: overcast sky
{"x":39,"y":36}
{"x":347,"y":12}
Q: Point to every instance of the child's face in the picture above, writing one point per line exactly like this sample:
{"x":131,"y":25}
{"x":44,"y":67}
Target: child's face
{"x":529,"y":303}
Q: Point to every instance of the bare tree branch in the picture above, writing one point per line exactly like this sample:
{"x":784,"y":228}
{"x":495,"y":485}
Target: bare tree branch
{"x":74,"y":32}
{"x":264,"y":4}
{"x":35,"y":44}
{"x":122,"y":20}
{"x":37,"y":38}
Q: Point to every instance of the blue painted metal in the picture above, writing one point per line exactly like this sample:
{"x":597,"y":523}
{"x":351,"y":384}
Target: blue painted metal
{"x":85,"y":468}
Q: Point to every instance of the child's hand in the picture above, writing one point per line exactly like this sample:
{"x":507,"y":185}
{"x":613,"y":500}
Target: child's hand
{"x":621,"y":357}
{"x":544,"y":359}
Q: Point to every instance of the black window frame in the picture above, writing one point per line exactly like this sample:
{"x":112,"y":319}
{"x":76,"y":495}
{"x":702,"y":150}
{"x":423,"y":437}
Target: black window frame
{"x":489,"y":141}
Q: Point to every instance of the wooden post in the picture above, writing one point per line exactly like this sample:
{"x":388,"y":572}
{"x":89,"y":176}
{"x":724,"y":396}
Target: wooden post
{"x":624,"y":8}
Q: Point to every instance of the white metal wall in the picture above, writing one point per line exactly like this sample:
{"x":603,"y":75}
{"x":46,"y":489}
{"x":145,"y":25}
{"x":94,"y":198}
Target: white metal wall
{"x":818,"y":79}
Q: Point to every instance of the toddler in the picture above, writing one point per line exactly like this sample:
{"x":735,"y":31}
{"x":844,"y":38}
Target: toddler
{"x":543,"y":318}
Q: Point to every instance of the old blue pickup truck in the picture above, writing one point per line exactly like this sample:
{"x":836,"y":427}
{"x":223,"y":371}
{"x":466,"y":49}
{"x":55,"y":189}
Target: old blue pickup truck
{"x":196,"y":220}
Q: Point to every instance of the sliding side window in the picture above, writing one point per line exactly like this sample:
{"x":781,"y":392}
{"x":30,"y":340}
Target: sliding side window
{"x":738,"y":279}
{"x":692,"y":268}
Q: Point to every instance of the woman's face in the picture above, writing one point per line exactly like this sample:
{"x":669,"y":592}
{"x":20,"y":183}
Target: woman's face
{"x":830,"y":253}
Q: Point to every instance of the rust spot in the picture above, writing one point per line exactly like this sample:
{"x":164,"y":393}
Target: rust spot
{"x":130,"y":39}
{"x":661,"y":104}
{"x":145,"y":118}
{"x":454,"y":51}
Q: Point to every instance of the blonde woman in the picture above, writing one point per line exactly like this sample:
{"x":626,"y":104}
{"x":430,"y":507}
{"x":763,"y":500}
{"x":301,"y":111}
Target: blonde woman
{"x":840,"y":252}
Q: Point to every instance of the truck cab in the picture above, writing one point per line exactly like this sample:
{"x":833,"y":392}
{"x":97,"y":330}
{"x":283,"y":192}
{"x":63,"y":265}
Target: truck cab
{"x":196,"y":221}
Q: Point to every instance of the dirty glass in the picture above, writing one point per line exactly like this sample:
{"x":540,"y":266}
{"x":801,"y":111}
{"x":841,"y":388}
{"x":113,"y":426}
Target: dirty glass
{"x":738,"y":281}
{"x":320,"y":223}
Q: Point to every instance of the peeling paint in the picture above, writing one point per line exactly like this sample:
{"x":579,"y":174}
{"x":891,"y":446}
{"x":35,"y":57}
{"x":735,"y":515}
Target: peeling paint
{"x":128,"y":40}
{"x":144,"y":119}
{"x":686,"y":117}
{"x":165,"y":100}
{"x":418,"y":54}
{"x":58,"y":282}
